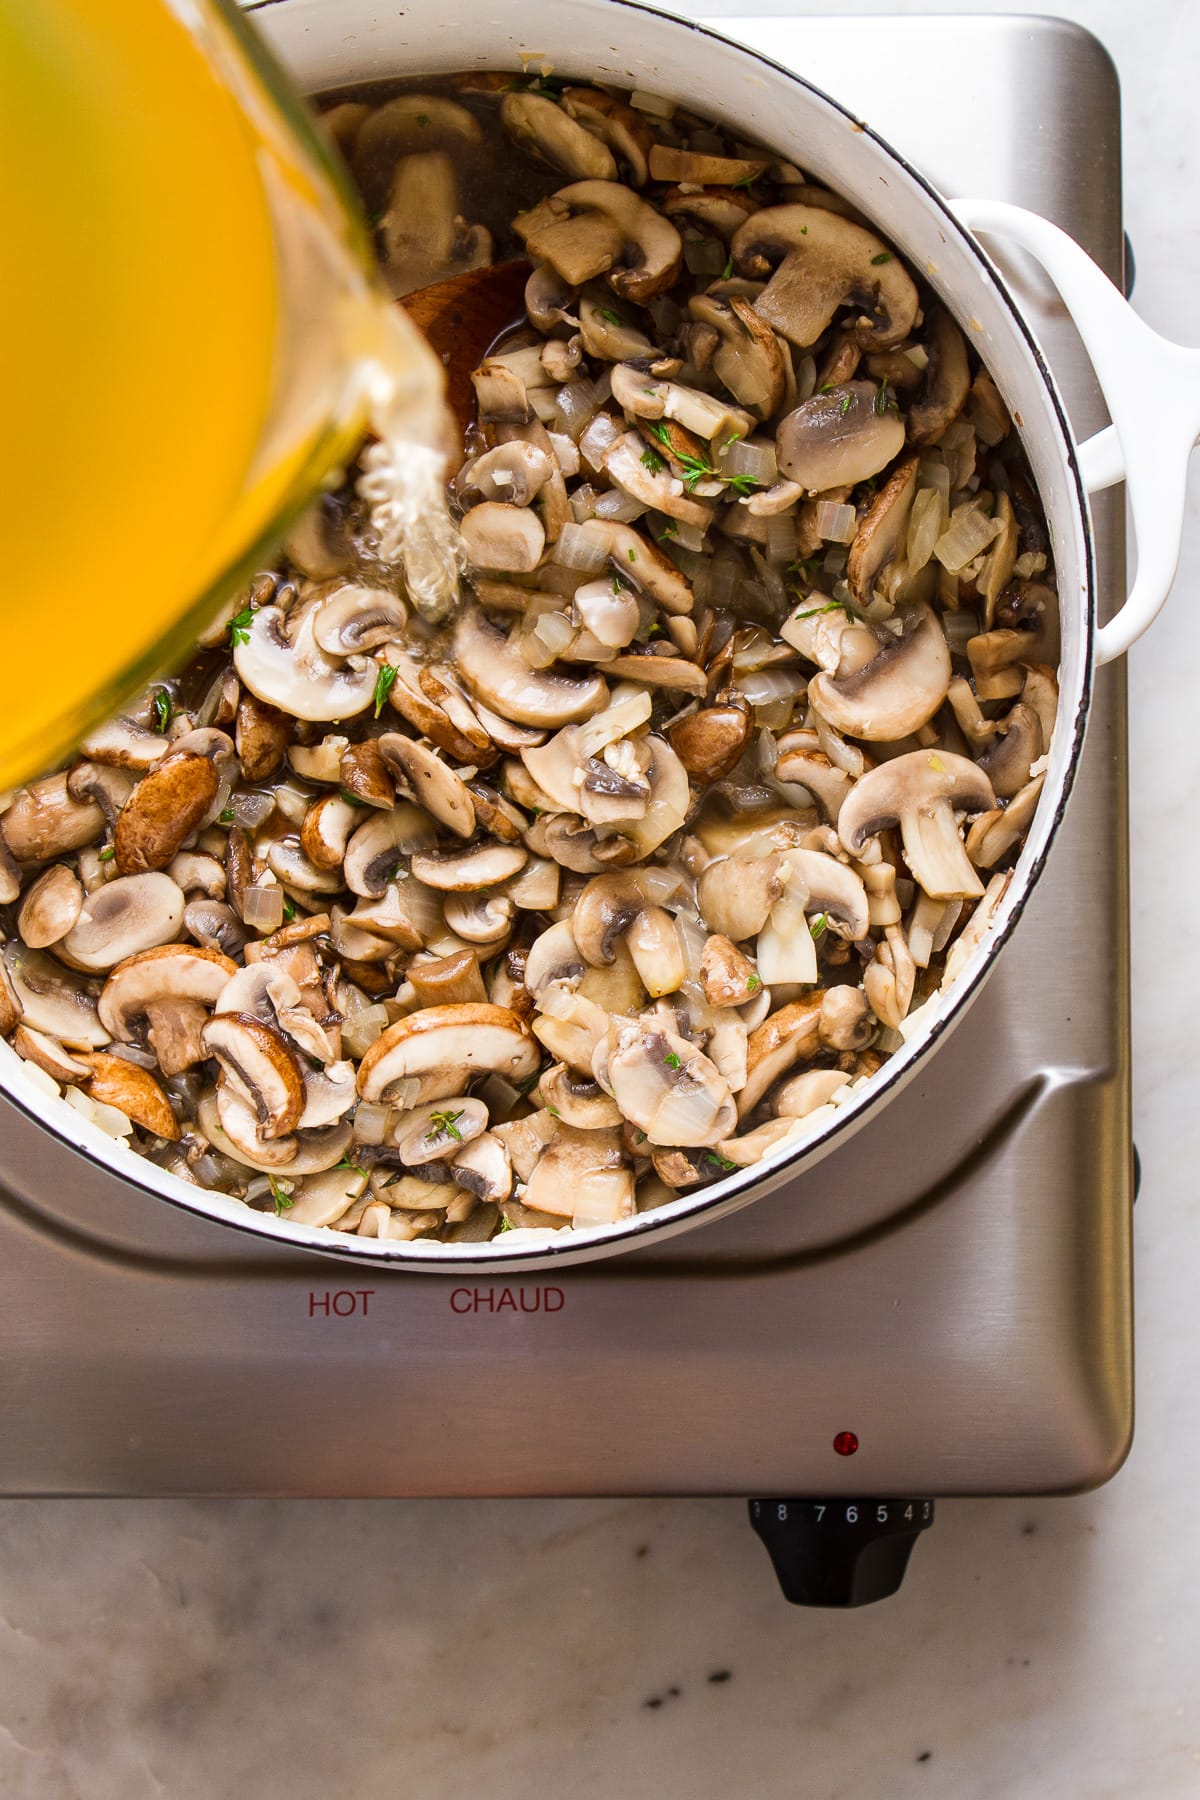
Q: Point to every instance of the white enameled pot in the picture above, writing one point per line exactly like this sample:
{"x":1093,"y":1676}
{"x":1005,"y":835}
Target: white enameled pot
{"x":1152,"y":388}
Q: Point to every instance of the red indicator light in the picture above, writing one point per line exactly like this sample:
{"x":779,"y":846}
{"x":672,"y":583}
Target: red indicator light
{"x":845,"y":1443}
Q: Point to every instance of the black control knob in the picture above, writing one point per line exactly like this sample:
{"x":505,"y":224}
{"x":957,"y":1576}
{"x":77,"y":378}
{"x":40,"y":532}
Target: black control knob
{"x":840,"y":1552}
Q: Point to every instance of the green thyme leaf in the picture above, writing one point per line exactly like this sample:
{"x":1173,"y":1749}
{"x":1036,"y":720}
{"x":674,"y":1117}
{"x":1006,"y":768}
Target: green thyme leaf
{"x":422,"y":118}
{"x":162,"y":709}
{"x":671,"y":1060}
{"x":553,"y":1111}
{"x":283,"y":1202}
{"x":108,"y":854}
{"x":504,"y":1225}
{"x":349,"y":798}
{"x":753,"y":983}
{"x":446,"y":1122}
{"x":721,"y":1162}
{"x":815,"y":612}
{"x":669,"y":530}
{"x":727,"y":271}
{"x":845,"y":404}
{"x":878,"y":261}
{"x":289,"y":910}
{"x":239,"y":626}
{"x":352,"y":1167}
{"x":826,"y":387}
{"x":654,"y":629}
{"x":818,"y":925}
{"x":650,"y":459}
{"x":226,"y":817}
{"x":632,"y":554}
{"x":613,"y":317}
{"x":384,"y":683}
{"x":882,"y":398}
{"x":658,"y":430}
{"x":746,"y":182}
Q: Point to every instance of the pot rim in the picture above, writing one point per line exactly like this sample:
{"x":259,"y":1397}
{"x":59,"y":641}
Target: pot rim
{"x":547,"y":1250}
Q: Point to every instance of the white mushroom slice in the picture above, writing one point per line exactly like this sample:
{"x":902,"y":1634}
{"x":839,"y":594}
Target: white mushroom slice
{"x":607,"y":336}
{"x":649,"y":479}
{"x":50,"y":907}
{"x":582,"y":1175}
{"x":772,"y":1140}
{"x":448,"y":1043}
{"x":602,"y":228}
{"x":260,"y":989}
{"x":480,"y":918}
{"x":326,"y":1199}
{"x":45,"y":996}
{"x":610,"y":904}
{"x":425,"y":239}
{"x":484,"y":1168}
{"x":171,"y":989}
{"x":749,"y":360}
{"x":801,"y":762}
{"x":996,"y":833}
{"x":553,"y":957}
{"x":375,"y":850}
{"x":437,"y":1132}
{"x":889,"y":980}
{"x":319,"y":762}
{"x":821,"y":262}
{"x":281,"y":662}
{"x":552,"y":134}
{"x":577,"y":1100}
{"x":570,"y":1026}
{"x":921,"y":792}
{"x":610,"y":612}
{"x":895,"y":693}
{"x":228,"y":1123}
{"x":664,"y":1085}
{"x":835,"y":892}
{"x":260,"y":1067}
{"x":654,"y":397}
{"x":122,"y":744}
{"x":786,"y":952}
{"x":800,"y":1095}
{"x":641,"y":562}
{"x":356,"y":619}
{"x":329,"y":1093}
{"x":494,"y":669}
{"x":515,"y":472}
{"x":432,"y":783}
{"x":196,"y":873}
{"x":407,"y":124}
{"x":326,"y":830}
{"x":288,"y":863}
{"x":460,"y":871}
{"x":735,"y":893}
{"x":125,"y":916}
{"x":496,"y":536}
{"x":839,"y":438}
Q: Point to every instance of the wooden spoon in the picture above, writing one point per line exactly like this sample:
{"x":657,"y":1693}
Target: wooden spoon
{"x":463,"y":317}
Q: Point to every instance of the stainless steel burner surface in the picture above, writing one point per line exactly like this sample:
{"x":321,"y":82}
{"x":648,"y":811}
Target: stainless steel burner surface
{"x":953,"y":1287}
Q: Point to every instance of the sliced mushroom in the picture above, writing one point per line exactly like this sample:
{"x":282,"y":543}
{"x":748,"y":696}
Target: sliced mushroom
{"x":443,"y":1046}
{"x":821,"y":262}
{"x":786,"y":1037}
{"x":452,"y":980}
{"x":329,"y":1093}
{"x":577,"y":1100}
{"x":947,"y":382}
{"x":921,"y":792}
{"x":38,"y":1047}
{"x":552,"y":134}
{"x":800,"y":761}
{"x":727,"y":977}
{"x":376,"y":848}
{"x":115,"y":1081}
{"x":170,"y":989}
{"x":122,"y":918}
{"x":325,"y":833}
{"x":653,"y":397}
{"x":109,"y":788}
{"x":608,"y":906}
{"x":895,"y":693}
{"x":996,"y":833}
{"x":649,"y":480}
{"x":710,"y":742}
{"x":735,"y":894}
{"x":263,"y":734}
{"x":260,"y":1067}
{"x":39,"y":992}
{"x":484,"y":919}
{"x":50,"y":907}
{"x":1008,"y":762}
{"x":718,"y":212}
{"x":582,"y":1176}
{"x":280,"y":661}
{"x":839,"y":438}
{"x":602,"y":228}
{"x":515,"y":472}
{"x":670,"y":164}
{"x":881,"y":532}
{"x":123,"y":744}
{"x":664,"y":1085}
{"x":496,"y":536}
{"x":43,"y":821}
{"x":627,"y":132}
{"x":493,"y":667}
{"x":425,"y":238}
{"x":407,"y":124}
{"x":467,"y":870}
{"x":432,"y":783}
{"x":353,"y":620}
{"x":748,"y":359}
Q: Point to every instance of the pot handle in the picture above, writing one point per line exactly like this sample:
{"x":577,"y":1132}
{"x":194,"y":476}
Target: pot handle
{"x":1152,"y":387}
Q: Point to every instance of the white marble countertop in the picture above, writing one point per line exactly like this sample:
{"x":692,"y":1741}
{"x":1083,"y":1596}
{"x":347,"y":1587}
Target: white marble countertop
{"x":1046,"y":1649}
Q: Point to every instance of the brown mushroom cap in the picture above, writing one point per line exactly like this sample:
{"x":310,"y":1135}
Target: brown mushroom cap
{"x":115,"y":1081}
{"x":881,"y":532}
{"x":602,"y":228}
{"x":50,"y":907}
{"x":170,"y":974}
{"x":895,"y":693}
{"x":493,"y":667}
{"x":551,"y":133}
{"x":822,"y":262}
{"x":44,"y":820}
{"x":947,"y":382}
{"x":260,"y":1067}
{"x":432,"y":783}
{"x":164,"y":809}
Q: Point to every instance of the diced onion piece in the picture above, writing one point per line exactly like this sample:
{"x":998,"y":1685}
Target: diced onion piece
{"x":926,"y":523}
{"x":566,"y":452}
{"x":762,"y":687}
{"x":806,"y":378}
{"x":555,"y":631}
{"x":704,"y":256}
{"x":583,"y":503}
{"x":781,"y":538}
{"x":262,"y":908}
{"x":786,"y":951}
{"x":595,"y":443}
{"x":835,"y":522}
{"x":969,"y":532}
{"x":544,"y":405}
{"x":1033,"y":562}
{"x":252,"y":810}
{"x":754,"y":460}
{"x":575,"y":404}
{"x":617,"y":504}
{"x":105,"y":1118}
{"x":678,"y":534}
{"x":580,"y":549}
{"x":360,"y":1031}
{"x":918,"y":356}
{"x":528,"y":364}
{"x":655,"y":104}
{"x":960,"y":628}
